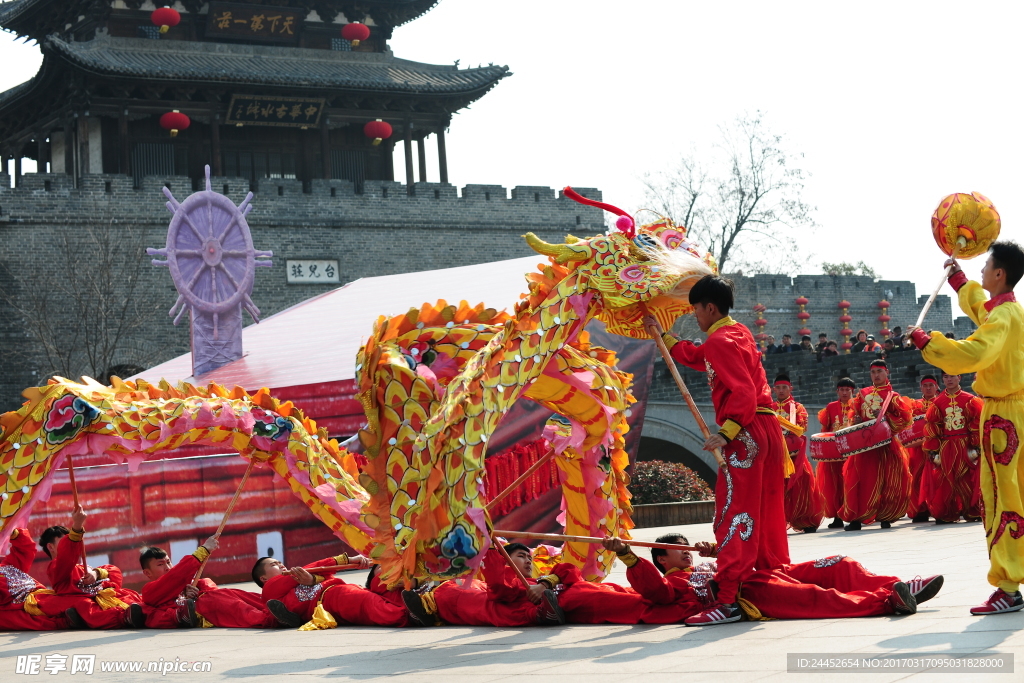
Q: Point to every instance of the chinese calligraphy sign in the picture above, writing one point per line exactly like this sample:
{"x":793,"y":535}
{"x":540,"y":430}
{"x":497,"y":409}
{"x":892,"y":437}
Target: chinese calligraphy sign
{"x":260,"y":110}
{"x":253,"y":22}
{"x":308,"y":271}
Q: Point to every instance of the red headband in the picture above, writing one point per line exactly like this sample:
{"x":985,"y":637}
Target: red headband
{"x":929,"y":380}
{"x":783,"y":381}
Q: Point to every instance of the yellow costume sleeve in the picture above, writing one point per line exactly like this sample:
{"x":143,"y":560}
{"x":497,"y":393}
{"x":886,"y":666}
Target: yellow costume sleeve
{"x":975,"y":353}
{"x":972,"y":301}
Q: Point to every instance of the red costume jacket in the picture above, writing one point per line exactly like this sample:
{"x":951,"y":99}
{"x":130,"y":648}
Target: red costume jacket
{"x":953,"y":418}
{"x":836,"y":416}
{"x":15,"y":582}
{"x":302,"y":600}
{"x":790,"y":409}
{"x":66,"y":574}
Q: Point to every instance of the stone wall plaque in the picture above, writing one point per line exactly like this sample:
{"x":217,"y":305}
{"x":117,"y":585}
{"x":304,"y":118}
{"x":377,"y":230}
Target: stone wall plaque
{"x":312,"y":271}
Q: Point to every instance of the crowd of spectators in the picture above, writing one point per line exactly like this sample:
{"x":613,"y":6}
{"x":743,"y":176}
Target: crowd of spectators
{"x":862,"y":343}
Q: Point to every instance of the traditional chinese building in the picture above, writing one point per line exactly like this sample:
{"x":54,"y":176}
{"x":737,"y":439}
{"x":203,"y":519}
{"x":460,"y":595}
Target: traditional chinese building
{"x":270,"y":89}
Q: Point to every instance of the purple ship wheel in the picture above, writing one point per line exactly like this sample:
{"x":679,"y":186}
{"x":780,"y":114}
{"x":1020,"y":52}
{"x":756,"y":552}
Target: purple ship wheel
{"x":212,"y":262}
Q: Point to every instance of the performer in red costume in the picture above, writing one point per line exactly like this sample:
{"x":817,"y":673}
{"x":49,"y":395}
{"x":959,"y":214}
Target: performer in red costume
{"x":877,"y":482}
{"x":88,"y":597}
{"x":829,"y":475}
{"x":171,"y":601}
{"x":321,"y":600}
{"x":953,"y":440}
{"x":920,"y":466}
{"x":803,"y":504}
{"x":16,"y":586}
{"x":669,"y":578}
{"x":750,"y":520}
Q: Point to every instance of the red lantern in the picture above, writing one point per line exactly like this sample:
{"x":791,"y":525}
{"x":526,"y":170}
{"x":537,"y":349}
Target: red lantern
{"x":846,"y":332}
{"x":377,"y":130}
{"x":883,"y":304}
{"x":760,"y":322}
{"x":760,"y":308}
{"x":175,"y":121}
{"x":803,"y":315}
{"x":802,"y":301}
{"x":845,"y":318}
{"x":846,"y":346}
{"x":165,"y":18}
{"x":803,"y":331}
{"x":886,"y":332}
{"x":844,"y":304}
{"x":355,"y":32}
{"x":884,"y":318}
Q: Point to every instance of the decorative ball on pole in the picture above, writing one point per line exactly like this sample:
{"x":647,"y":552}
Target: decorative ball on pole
{"x":355,"y":32}
{"x":377,"y":131}
{"x":845,"y":319}
{"x":175,"y":121}
{"x":803,"y":316}
{"x":165,"y":18}
{"x":759,"y":309}
{"x":884,"y":318}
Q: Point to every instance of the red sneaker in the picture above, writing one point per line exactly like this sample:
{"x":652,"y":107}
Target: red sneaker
{"x":1000,"y":602}
{"x":902,"y":600}
{"x":925,"y":589}
{"x":716,"y":614}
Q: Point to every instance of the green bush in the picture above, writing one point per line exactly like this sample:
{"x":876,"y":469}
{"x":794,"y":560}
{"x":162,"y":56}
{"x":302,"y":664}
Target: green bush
{"x":655,"y":481}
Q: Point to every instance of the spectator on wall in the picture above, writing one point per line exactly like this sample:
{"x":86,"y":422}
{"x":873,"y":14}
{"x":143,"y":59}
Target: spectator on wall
{"x":822,"y":343}
{"x":889,"y":346}
{"x":770,"y":347}
{"x":805,"y":343}
{"x":862,"y":341}
{"x":871,"y":346}
{"x":897,"y":337}
{"x":787,"y":345}
{"x":831,"y":349}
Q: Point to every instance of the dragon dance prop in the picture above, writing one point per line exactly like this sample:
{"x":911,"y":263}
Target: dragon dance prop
{"x":964,"y":226}
{"x":588,"y":539}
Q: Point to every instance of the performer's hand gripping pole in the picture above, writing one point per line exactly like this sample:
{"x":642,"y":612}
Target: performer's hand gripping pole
{"x":655,"y":331}
{"x":962,"y":242}
{"x":227,"y":513}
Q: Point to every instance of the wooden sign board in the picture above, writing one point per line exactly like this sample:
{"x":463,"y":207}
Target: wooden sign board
{"x":268,"y":110}
{"x":254,"y":22}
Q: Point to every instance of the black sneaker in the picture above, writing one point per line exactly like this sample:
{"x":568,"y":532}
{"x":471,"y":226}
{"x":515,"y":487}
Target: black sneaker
{"x":836,"y":524}
{"x":134,"y":617}
{"x":886,"y":525}
{"x":902,"y":600}
{"x":852,"y":526}
{"x":549,"y":613}
{"x":920,"y":517}
{"x":925,"y":589}
{"x":75,"y":620}
{"x":417,"y":611}
{"x":284,"y":616}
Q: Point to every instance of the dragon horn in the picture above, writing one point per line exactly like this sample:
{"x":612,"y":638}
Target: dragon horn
{"x":561,"y":252}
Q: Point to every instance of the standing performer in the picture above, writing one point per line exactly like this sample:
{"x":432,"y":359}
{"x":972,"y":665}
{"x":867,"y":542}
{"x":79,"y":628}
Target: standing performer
{"x":920,"y":465}
{"x":835,"y":415}
{"x":750,"y":519}
{"x":996,"y":353}
{"x":803,"y":504}
{"x":877,"y":482}
{"x":952,"y":444}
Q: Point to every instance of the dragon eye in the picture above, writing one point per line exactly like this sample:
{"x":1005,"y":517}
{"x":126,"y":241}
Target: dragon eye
{"x":645,"y":241}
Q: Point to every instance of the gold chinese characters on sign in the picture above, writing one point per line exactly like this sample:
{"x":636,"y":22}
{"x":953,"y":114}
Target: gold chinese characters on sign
{"x":257,"y":110}
{"x":253,"y":22}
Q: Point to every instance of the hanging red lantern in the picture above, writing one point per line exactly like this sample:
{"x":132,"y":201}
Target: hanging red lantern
{"x":803,"y":316}
{"x":845,"y":319}
{"x":759,"y":309}
{"x":355,"y":32}
{"x":175,"y":121}
{"x":884,"y":304}
{"x":165,"y":18}
{"x":377,"y":130}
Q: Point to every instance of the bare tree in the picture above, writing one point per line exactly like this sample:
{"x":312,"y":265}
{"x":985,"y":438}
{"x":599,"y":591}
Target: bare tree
{"x":846,"y":268}
{"x":84,"y":314}
{"x":741,"y":199}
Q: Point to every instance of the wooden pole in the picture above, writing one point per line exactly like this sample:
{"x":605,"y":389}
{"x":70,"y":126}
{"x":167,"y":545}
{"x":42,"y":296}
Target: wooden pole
{"x":333,"y":568}
{"x":522,"y":477}
{"x":74,"y":497}
{"x":442,"y":156}
{"x":227,"y":513}
{"x":655,"y":331}
{"x":586,"y":539}
{"x":508,"y":560}
{"x":962,"y":242}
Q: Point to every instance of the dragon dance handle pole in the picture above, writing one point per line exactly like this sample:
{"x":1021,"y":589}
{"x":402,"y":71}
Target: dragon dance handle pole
{"x":522,"y":477}
{"x":509,"y":562}
{"x":74,"y":496}
{"x":655,"y":331}
{"x":227,"y":513}
{"x":587,"y":539}
{"x":962,"y":242}
{"x":331,"y":569}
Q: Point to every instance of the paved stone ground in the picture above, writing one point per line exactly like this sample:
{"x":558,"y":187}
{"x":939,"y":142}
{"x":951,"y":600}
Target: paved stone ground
{"x":734,"y":652}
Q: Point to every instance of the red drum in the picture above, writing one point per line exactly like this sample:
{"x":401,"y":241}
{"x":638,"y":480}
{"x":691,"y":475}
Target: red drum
{"x":863,"y":437}
{"x":824,"y":448}
{"x":913,"y":435}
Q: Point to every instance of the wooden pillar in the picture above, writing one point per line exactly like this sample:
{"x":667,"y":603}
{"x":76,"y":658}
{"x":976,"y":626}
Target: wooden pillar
{"x":442,"y":156}
{"x":83,"y":141}
{"x":409,"y":180}
{"x":325,"y":148}
{"x":42,"y":152}
{"x":215,"y":164}
{"x":422,"y":152}
{"x":69,"y":148}
{"x":17,"y":169}
{"x":3,"y":162}
{"x":122,"y":142}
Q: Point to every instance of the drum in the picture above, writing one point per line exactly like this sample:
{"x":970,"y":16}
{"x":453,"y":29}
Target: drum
{"x":913,"y":435}
{"x":863,"y":437}
{"x":824,"y":448}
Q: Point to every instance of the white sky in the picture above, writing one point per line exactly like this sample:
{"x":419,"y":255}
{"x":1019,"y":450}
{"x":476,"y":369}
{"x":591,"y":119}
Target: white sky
{"x":894,"y":104}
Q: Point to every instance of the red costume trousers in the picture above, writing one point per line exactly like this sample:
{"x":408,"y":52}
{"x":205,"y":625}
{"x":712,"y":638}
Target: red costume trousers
{"x":955,"y":482}
{"x":920,"y":481}
{"x":608,"y":603}
{"x":474,"y":607}
{"x":17,"y":619}
{"x":355,"y":605}
{"x":829,"y":476}
{"x":234,"y":608}
{"x":92,"y":614}
{"x":803,"y":503}
{"x":877,"y":485}
{"x":750,"y":519}
{"x":833,"y":587}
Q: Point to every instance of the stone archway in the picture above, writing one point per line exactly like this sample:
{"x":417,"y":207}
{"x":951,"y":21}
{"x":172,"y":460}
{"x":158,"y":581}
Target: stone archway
{"x":671,"y":434}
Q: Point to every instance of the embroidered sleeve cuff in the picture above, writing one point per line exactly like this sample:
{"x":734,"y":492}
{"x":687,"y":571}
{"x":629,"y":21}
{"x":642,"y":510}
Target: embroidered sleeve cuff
{"x":957,"y":280}
{"x":341,"y":559}
{"x":319,"y":578}
{"x":920,"y":338}
{"x":201,"y":553}
{"x":730,"y":429}
{"x":76,"y":536}
{"x":669,"y":340}
{"x":629,"y":559}
{"x":550,"y":579}
{"x":101,"y":573}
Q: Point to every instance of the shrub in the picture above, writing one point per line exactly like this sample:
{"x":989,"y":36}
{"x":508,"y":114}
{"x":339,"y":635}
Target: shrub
{"x":654,"y":481}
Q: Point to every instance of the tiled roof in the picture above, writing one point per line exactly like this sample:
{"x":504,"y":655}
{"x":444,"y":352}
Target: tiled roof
{"x":266,"y":65}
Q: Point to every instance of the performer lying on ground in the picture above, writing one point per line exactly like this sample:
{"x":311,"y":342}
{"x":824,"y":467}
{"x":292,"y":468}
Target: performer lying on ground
{"x":952,"y":443}
{"x":171,"y":601}
{"x":750,"y":522}
{"x":669,"y":577}
{"x":802,"y":501}
{"x":829,"y":474}
{"x":16,"y":587}
{"x":920,"y":466}
{"x":88,"y":597}
{"x":995,"y":351}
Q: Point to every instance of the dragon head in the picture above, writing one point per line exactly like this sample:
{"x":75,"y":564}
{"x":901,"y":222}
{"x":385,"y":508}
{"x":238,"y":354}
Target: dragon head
{"x":634,"y":270}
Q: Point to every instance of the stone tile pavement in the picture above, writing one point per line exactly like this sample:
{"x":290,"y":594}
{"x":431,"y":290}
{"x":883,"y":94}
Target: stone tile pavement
{"x":734,"y":652}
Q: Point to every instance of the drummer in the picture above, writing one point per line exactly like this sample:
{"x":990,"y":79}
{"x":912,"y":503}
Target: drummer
{"x":920,"y":466}
{"x":802,"y":498}
{"x":876,"y":482}
{"x":953,"y":440}
{"x":829,"y":474}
